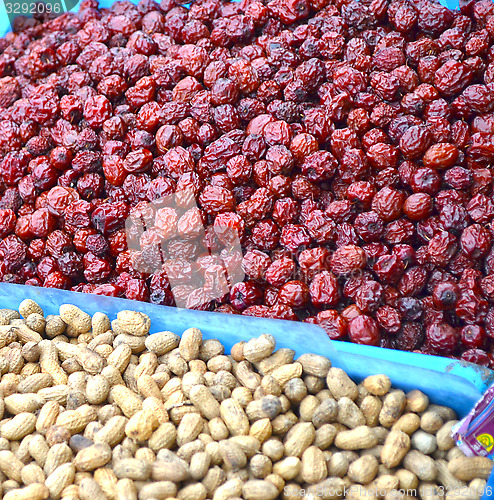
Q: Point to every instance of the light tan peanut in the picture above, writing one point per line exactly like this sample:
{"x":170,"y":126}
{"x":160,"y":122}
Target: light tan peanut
{"x":261,"y":429}
{"x":56,"y":393}
{"x":396,"y":446}
{"x":36,"y":322}
{"x":349,"y":413}
{"x":256,"y":489}
{"x":314,"y":468}
{"x":287,"y":372}
{"x":93,"y":457}
{"x":76,"y":420}
{"x":120,"y":357}
{"x":278,"y":358}
{"x":125,"y":490}
{"x":97,"y":389}
{"x":49,"y":363}
{"x":190,"y":344}
{"x":89,"y":489}
{"x":132,"y":468}
{"x":155,"y":406}
{"x":192,"y":492}
{"x":162,"y":342}
{"x":100,"y":323}
{"x":371,"y":407}
{"x":59,"y":479}
{"x":246,"y":376}
{"x":314,"y":364}
{"x":378,"y":385}
{"x":55,"y":326}
{"x":135,"y":344}
{"x":10,"y":465}
{"x":210,"y":348}
{"x":160,"y":490}
{"x":288,"y":468}
{"x":148,"y":387}
{"x":33,"y":383}
{"x":363,"y":470}
{"x":32,"y":473}
{"x":299,"y":438}
{"x":217,"y":429}
{"x":229,"y":489}
{"x":260,"y":466}
{"x":393,"y":405}
{"x":199,"y":465}
{"x":421,"y":465}
{"x":359,"y":438}
{"x":417,"y":401}
{"x":163,"y":437}
{"x":175,"y":363}
{"x":77,"y":319}
{"x":174,"y":470}
{"x":148,"y":362}
{"x":407,"y":479}
{"x":189,"y":428}
{"x":340,"y":384}
{"x":28,"y":306}
{"x":112,"y":432}
{"x":256,"y":349}
{"x":19,"y":426}
{"x":215,"y":477}
{"x":431,"y":421}
{"x":408,"y":423}
{"x":107,"y":481}
{"x":446,"y":478}
{"x":141,"y":425}
{"x":128,"y":401}
{"x":234,"y":417}
{"x":205,"y":402}
{"x":295,"y":390}
{"x":134,"y":323}
{"x":34,"y":491}
{"x":219,"y":363}
{"x":38,"y":449}
{"x":338,"y":465}
{"x":468,"y":468}
{"x":445,"y":440}
{"x":57,"y":455}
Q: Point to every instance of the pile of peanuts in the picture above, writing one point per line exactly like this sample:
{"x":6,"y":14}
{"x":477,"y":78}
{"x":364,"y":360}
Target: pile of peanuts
{"x":96,"y":409}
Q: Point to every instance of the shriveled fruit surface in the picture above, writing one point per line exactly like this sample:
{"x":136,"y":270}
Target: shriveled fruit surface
{"x":93,"y":409}
{"x":346,"y":146}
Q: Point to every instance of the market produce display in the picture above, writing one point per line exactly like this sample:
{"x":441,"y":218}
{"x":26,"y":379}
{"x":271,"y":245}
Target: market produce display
{"x":96,"y":409}
{"x":346,"y":145}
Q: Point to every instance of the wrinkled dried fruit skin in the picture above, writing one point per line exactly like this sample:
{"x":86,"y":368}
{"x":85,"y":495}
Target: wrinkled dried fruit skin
{"x":286,"y":159}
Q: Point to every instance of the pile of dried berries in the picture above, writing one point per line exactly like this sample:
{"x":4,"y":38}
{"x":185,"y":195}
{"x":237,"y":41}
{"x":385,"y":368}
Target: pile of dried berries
{"x":348,"y":145}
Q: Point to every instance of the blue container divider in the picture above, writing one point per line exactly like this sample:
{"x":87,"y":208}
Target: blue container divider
{"x":449,"y":382}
